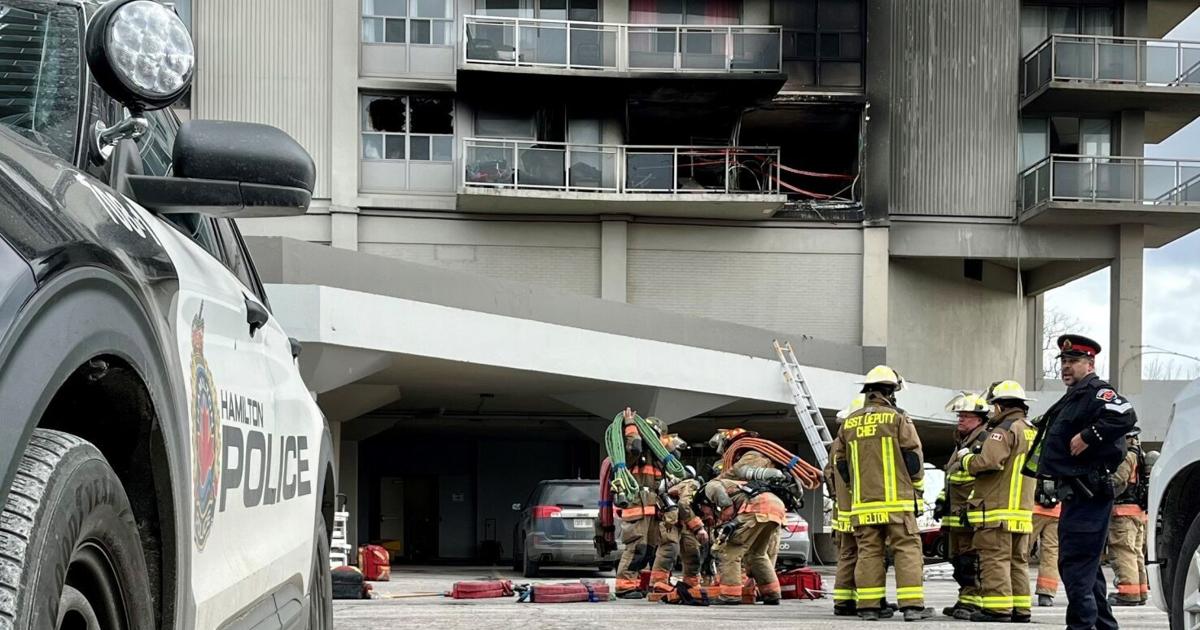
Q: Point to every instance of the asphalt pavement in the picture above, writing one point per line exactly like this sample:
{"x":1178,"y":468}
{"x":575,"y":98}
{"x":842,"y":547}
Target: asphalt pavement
{"x":412,"y":599}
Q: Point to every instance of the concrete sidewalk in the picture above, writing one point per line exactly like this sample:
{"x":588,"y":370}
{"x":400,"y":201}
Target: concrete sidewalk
{"x":393,"y":609}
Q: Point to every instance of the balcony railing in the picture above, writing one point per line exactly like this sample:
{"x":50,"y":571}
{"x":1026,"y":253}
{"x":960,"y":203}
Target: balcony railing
{"x":1096,"y":179}
{"x":558,"y":166}
{"x":519,"y":42}
{"x":1111,"y":60}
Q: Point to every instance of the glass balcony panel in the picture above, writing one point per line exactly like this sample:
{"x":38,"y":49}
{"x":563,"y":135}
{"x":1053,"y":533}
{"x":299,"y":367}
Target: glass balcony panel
{"x":1115,"y":180}
{"x":489,"y":164}
{"x":1190,"y":59}
{"x":593,"y":46}
{"x":492,"y":41}
{"x":755,"y":49}
{"x":542,"y":167}
{"x":544,"y":44}
{"x":1117,"y":61}
{"x":703,"y":50}
{"x":1074,"y":59}
{"x":645,"y":171}
{"x":594,"y":168}
{"x":652,"y":48}
{"x":1161,"y":62}
{"x":1159,"y":181}
{"x":1072,"y":180}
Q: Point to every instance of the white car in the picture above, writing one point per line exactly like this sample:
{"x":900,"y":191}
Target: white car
{"x":162,"y":464}
{"x":1173,"y":536}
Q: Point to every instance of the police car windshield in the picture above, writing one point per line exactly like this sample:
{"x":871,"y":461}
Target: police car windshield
{"x":40,"y":65}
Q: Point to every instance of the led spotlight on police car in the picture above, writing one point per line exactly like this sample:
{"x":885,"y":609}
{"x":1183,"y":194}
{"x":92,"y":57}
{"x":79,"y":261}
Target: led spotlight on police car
{"x":141,"y":53}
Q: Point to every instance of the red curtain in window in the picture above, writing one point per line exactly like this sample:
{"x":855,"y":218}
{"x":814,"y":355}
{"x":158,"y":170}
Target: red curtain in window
{"x":643,"y":11}
{"x":714,"y":11}
{"x":721,"y":12}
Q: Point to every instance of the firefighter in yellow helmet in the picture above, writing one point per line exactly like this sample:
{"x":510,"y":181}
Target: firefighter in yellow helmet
{"x":1000,"y":508}
{"x":878,"y":456}
{"x":951,"y":507}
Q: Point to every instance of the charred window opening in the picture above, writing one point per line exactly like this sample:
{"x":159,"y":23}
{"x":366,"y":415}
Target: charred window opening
{"x":819,"y":148}
{"x":823,"y":43}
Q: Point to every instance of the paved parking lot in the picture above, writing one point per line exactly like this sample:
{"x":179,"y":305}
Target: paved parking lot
{"x":396,"y":607}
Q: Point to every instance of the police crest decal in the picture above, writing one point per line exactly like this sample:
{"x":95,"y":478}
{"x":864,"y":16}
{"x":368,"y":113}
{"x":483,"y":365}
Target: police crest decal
{"x":206,"y":437}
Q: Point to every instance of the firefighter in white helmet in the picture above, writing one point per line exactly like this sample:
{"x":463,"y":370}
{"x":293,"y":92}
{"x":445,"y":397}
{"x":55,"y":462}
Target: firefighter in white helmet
{"x":951,"y":507}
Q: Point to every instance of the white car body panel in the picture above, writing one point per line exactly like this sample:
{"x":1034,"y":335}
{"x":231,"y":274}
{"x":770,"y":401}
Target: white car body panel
{"x":1181,"y":448}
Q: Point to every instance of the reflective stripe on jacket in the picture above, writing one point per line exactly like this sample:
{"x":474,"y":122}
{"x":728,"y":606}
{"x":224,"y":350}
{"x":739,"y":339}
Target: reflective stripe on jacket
{"x":872,"y":442}
{"x":1002,"y":497}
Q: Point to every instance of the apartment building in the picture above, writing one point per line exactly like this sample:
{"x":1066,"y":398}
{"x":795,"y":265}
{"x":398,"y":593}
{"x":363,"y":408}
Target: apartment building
{"x":530,"y":212}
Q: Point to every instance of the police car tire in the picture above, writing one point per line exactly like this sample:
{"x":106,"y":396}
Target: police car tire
{"x":1191,"y":542}
{"x":320,"y":590}
{"x":66,"y":509}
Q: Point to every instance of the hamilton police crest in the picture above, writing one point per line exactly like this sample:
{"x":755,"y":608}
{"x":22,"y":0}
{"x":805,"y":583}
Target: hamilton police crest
{"x":206,"y":437}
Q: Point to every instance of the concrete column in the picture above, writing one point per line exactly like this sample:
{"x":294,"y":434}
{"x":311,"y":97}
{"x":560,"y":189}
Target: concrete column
{"x":1125,"y":319}
{"x":1131,"y":134}
{"x":1035,"y":318}
{"x":344,"y":121}
{"x":348,"y":485}
{"x":343,"y":228}
{"x":614,"y":258}
{"x":875,"y":296}
{"x":875,"y":159}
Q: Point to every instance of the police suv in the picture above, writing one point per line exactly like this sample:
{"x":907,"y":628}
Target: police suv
{"x":164,"y":466}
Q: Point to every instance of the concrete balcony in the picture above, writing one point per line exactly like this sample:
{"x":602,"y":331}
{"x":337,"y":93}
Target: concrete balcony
{"x":603,"y":56}
{"x":1090,"y":74}
{"x":526,"y":176}
{"x":1094,"y":190}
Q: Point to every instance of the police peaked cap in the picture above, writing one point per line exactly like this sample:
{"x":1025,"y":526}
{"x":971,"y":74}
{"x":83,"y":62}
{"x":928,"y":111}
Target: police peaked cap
{"x":1077,"y":346}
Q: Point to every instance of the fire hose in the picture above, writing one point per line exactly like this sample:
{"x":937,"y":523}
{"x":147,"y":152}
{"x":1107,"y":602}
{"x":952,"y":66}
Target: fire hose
{"x":606,"y":530}
{"x":625,"y":488}
{"x":807,"y":475}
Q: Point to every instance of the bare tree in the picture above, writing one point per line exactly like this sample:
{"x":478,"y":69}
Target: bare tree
{"x":1055,"y":323}
{"x":1169,"y":369}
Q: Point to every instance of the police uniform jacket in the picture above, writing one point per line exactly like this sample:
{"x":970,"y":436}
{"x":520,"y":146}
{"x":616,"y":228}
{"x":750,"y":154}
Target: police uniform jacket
{"x":1093,"y":409}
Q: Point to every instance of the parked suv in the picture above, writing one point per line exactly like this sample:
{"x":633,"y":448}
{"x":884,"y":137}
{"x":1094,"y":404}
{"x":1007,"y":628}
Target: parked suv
{"x":1173,"y":536}
{"x":556,"y":526}
{"x":163,"y":465}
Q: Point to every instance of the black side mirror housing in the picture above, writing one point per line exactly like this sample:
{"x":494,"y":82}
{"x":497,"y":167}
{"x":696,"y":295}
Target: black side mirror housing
{"x":231,"y":169}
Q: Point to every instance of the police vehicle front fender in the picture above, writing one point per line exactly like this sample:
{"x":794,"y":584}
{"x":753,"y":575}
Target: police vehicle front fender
{"x":76,"y":316}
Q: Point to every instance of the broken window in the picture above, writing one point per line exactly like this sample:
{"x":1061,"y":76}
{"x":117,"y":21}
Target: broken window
{"x":412,"y":127}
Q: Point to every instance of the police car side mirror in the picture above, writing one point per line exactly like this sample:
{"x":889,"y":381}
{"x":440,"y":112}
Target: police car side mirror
{"x":141,"y":54}
{"x":230,"y":169}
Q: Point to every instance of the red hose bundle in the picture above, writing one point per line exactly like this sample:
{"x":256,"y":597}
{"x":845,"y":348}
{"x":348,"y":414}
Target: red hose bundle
{"x":482,"y":589}
{"x":805,"y":473}
{"x":606,"y":536}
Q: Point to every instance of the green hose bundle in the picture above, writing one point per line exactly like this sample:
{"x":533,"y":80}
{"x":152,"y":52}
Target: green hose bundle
{"x":625,"y":487}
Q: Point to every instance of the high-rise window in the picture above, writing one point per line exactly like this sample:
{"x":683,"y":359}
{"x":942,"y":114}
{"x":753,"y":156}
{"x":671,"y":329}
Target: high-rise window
{"x":428,"y":22}
{"x":715,"y":12}
{"x":1064,"y":135}
{"x":417,"y":127}
{"x":1038,"y":22}
{"x":822,"y":42}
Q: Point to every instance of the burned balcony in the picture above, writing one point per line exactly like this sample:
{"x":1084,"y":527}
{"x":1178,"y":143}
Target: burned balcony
{"x":1092,"y":74}
{"x":1071,"y":189}
{"x":502,"y":175}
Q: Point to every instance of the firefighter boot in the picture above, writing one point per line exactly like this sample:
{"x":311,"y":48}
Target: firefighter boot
{"x":990,"y":617}
{"x":917,"y":614}
{"x":845,"y":609}
{"x":1045,"y":601}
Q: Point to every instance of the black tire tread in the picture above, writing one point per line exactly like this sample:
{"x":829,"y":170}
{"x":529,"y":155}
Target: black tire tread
{"x":46,"y":449}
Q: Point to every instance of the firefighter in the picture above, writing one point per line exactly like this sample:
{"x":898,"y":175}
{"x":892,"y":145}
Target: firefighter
{"x":972,"y":411}
{"x":1079,"y":444}
{"x":639,"y":530}
{"x":681,"y":534}
{"x":750,"y":466}
{"x":1127,"y":533}
{"x":1000,"y":507}
{"x":878,"y":455}
{"x":745,"y":521}
{"x":1046,"y":510}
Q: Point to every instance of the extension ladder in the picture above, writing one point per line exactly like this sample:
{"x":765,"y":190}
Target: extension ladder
{"x":815,"y":429}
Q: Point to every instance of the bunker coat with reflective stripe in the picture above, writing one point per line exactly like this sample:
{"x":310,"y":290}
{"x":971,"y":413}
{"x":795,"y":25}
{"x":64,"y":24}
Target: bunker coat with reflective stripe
{"x":1002,"y":497}
{"x":873,"y":441}
{"x":961,"y":482}
{"x":839,"y":519}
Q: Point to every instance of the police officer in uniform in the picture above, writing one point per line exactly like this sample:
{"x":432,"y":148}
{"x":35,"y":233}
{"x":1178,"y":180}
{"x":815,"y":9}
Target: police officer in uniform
{"x":1080,"y":443}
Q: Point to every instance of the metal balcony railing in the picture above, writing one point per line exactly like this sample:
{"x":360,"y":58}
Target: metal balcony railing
{"x":1105,"y":179}
{"x":520,"y":42}
{"x":535,"y":165}
{"x":1111,"y":60}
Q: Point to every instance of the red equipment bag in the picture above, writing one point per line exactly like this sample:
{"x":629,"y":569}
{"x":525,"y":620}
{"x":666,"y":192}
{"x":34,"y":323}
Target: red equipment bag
{"x":644,"y":580}
{"x":800,"y":584}
{"x":482,"y":589}
{"x":376,"y":563}
{"x":581,"y":591}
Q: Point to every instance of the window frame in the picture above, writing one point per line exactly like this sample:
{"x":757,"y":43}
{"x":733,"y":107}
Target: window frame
{"x":817,"y":58}
{"x":411,"y":21}
{"x":238,"y":248}
{"x":407,"y":134}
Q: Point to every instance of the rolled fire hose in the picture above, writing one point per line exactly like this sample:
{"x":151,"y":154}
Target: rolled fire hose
{"x":805,"y":473}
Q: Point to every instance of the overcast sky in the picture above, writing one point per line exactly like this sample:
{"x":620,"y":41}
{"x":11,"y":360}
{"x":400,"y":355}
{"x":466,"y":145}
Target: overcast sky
{"x":1171,"y":306}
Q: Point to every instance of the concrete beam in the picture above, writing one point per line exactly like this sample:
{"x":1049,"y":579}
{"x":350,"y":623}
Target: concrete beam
{"x":1053,"y":275}
{"x":998,"y":241}
{"x":1125,"y":319}
{"x":327,"y":367}
{"x":670,"y":405}
{"x":592,"y":429}
{"x":354,"y":400}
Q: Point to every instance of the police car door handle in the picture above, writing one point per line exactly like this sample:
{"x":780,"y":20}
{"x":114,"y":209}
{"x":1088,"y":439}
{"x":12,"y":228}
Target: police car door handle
{"x":256,"y":315}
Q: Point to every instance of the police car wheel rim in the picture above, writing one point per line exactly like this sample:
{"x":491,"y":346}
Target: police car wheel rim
{"x":92,"y":575}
